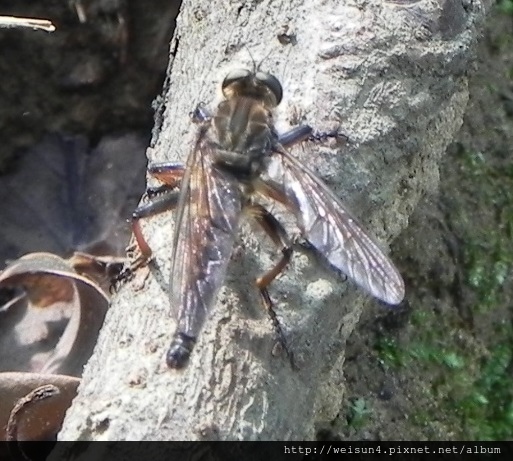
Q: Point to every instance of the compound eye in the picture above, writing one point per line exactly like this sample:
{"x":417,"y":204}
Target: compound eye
{"x":234,"y":76}
{"x":271,"y":82}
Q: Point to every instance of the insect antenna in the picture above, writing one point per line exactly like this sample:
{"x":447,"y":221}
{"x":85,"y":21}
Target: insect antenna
{"x":257,"y":66}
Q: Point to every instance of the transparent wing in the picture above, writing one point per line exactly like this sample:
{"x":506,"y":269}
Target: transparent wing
{"x":207,"y":217}
{"x":331,"y":228}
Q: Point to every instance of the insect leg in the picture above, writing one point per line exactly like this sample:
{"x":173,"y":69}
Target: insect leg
{"x":165,"y":201}
{"x":306,"y":133}
{"x":161,"y":198}
{"x":200,"y":114}
{"x":168,"y":173}
{"x":279,"y":236}
{"x":295,"y":135}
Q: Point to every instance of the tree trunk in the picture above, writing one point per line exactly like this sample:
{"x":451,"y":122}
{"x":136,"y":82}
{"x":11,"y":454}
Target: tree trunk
{"x":393,"y":75}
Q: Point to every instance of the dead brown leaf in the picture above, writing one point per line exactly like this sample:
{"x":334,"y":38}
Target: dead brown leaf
{"x":33,"y":405}
{"x":59,"y":338}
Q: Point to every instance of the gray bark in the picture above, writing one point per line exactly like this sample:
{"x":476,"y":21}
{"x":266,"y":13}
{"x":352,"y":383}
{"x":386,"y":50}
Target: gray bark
{"x":394,"y":76}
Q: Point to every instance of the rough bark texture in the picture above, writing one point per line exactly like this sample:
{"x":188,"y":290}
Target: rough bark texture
{"x":394,"y":76}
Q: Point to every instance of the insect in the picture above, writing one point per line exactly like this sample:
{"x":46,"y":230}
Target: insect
{"x":239,"y":157}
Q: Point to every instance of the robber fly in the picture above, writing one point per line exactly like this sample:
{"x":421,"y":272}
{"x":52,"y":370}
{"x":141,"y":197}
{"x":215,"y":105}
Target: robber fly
{"x":239,"y":157}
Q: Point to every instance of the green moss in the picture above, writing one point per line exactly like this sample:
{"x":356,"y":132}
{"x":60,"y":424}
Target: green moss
{"x":488,"y":252}
{"x":359,"y":413}
{"x":505,"y":6}
{"x":390,"y":354}
{"x":475,"y":402}
{"x":467,"y":375}
{"x":484,"y":399}
{"x":487,"y":409}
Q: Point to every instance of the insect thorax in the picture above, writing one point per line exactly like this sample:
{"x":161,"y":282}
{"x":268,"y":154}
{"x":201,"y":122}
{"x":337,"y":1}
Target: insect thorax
{"x":244,"y":136}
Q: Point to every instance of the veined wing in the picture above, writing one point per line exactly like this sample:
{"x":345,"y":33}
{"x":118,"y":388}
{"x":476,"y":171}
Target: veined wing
{"x":331,"y":228}
{"x":208,"y":213}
